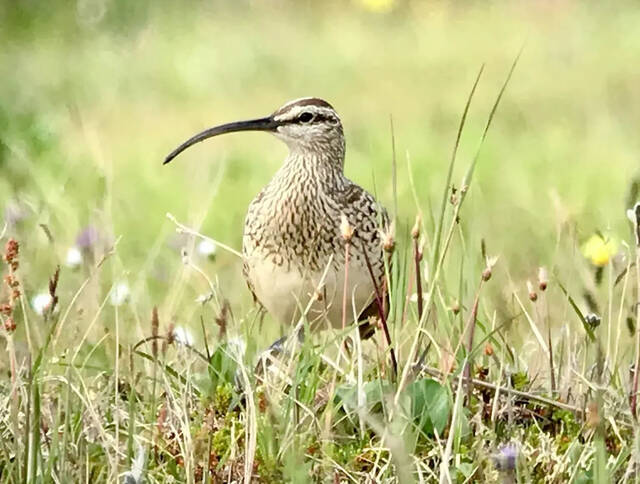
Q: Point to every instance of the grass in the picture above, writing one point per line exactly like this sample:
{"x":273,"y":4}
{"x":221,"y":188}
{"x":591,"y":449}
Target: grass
{"x":143,"y":369}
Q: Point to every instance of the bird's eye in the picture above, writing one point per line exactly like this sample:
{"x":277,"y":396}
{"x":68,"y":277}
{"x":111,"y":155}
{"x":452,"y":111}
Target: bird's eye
{"x":305,"y":117}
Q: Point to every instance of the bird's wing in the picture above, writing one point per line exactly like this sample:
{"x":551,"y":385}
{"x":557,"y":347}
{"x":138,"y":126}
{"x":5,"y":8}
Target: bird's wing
{"x":364,"y":205}
{"x":245,"y":273}
{"x":371,"y":219}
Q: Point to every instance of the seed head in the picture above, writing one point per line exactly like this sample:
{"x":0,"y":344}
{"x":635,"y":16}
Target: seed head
{"x":346,"y":230}
{"x":53,"y":287}
{"x":490,"y":262}
{"x":455,"y":307}
{"x":11,"y":250}
{"x":593,"y":320}
{"x":533,"y":296}
{"x":415,"y":231}
{"x":11,"y":281}
{"x":486,"y":274}
{"x":543,"y":278}
{"x":168,"y":339}
{"x":388,"y":238}
{"x":9,"y":325}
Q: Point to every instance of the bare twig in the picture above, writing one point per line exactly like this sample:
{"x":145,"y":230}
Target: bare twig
{"x":183,"y":229}
{"x":516,"y":393}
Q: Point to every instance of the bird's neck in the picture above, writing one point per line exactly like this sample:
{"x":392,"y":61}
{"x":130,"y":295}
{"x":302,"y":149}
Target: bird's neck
{"x":320,"y":165}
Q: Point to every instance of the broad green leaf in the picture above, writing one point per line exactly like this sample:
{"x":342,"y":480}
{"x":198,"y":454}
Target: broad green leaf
{"x":430,"y":405}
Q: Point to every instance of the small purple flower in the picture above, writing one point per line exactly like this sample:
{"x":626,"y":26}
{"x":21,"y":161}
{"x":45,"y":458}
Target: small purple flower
{"x":88,"y":237}
{"x":505,"y":459}
{"x":15,"y":212}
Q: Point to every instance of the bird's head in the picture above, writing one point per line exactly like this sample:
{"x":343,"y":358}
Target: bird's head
{"x":305,"y":125}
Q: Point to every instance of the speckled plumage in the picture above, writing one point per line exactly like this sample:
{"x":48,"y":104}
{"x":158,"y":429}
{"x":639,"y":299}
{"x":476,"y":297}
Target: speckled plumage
{"x":292,"y":227}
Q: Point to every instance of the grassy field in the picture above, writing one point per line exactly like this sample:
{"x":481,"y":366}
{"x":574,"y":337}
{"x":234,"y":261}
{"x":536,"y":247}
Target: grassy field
{"x":100,"y":386}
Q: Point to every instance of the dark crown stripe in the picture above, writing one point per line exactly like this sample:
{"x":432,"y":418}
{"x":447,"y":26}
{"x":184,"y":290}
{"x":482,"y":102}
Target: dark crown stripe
{"x":312,"y":101}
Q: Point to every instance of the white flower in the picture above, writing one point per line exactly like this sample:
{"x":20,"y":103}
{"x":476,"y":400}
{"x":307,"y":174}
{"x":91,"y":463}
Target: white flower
{"x":204,"y":298}
{"x":134,"y":476}
{"x":74,"y":258}
{"x":414,"y":297}
{"x":207,"y":248}
{"x":119,"y":294}
{"x":183,"y":336}
{"x":238,"y":347}
{"x":41,"y":302}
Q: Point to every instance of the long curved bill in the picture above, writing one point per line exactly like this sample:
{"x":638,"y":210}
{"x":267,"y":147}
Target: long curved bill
{"x":260,"y":124}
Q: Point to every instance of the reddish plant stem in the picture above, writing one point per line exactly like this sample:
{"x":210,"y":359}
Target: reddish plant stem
{"x":417,"y":258}
{"x":346,"y":279}
{"x":471,"y":325}
{"x":381,"y":313}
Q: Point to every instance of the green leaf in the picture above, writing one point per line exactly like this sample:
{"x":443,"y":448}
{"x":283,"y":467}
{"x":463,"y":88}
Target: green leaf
{"x":430,"y":405}
{"x":575,"y":307}
{"x":464,"y":470}
{"x":222,"y":366}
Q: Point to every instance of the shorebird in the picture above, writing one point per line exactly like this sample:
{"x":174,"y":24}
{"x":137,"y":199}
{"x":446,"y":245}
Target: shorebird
{"x":292,"y":231}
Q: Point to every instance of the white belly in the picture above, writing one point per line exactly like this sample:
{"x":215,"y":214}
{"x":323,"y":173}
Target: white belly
{"x":286,"y":293}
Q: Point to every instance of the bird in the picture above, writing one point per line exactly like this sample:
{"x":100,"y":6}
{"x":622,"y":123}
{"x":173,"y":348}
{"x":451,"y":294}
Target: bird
{"x":294,"y":230}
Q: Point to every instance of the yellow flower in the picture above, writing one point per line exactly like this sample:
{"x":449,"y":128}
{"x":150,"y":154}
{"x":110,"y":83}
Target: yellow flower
{"x":599,"y":249}
{"x":381,"y":6}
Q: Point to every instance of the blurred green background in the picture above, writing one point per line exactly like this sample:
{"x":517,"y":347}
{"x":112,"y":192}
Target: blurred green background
{"x":94,"y":94}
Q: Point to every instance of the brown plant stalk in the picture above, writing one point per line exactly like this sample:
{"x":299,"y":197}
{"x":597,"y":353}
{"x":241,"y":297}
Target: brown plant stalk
{"x":381,"y":313}
{"x":417,"y":257}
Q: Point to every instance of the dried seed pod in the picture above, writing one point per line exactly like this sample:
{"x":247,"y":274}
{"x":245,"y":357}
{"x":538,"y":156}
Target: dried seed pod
{"x":455,"y":307}
{"x":11,"y":250}
{"x":388,"y":239}
{"x":346,"y":230}
{"x":9,"y":325}
{"x":486,"y":274}
{"x":415,"y":231}
{"x":543,"y":279}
